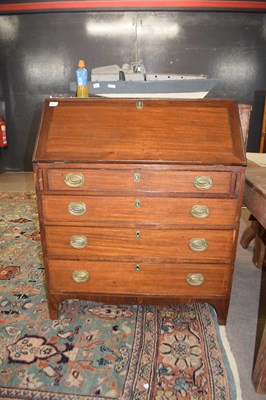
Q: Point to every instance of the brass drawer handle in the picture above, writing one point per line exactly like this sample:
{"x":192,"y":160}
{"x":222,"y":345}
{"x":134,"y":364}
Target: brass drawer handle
{"x":195,"y":279}
{"x":200,"y":212}
{"x":78,"y":242}
{"x":203,"y":182}
{"x":198,"y":244}
{"x":74,"y":179}
{"x":77,"y":208}
{"x":80,"y":276}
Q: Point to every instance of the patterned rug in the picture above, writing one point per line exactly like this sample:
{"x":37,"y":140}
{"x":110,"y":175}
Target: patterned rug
{"x":96,"y":351}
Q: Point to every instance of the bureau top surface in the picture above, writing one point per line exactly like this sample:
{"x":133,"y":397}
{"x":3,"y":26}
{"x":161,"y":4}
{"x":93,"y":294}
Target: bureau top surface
{"x":101,"y":130}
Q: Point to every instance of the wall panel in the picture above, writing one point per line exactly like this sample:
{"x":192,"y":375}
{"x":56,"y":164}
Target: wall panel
{"x":39,"y":55}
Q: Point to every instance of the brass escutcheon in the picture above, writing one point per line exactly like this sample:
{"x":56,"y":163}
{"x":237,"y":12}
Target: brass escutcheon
{"x":80,"y":276}
{"x":139,"y":105}
{"x":200,"y":212}
{"x":138,"y":234}
{"x":136,"y":177}
{"x":74,"y":179}
{"x":78,"y":242}
{"x":198,"y":244}
{"x":203,"y":182}
{"x":195,"y":279}
{"x":137,"y":203}
{"x":137,"y":267}
{"x":77,"y":208}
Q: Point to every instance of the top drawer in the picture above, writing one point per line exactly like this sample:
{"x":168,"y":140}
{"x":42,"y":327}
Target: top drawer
{"x":169,"y":181}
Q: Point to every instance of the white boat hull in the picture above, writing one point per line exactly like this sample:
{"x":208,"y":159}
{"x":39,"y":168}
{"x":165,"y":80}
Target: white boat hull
{"x":176,"y":89}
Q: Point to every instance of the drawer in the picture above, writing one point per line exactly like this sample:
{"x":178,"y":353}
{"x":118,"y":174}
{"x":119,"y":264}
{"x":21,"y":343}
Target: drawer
{"x":157,"y":210}
{"x":138,"y":244}
{"x":130,"y":278}
{"x":138,"y":180}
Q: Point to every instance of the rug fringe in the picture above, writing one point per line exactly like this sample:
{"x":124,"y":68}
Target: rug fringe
{"x":232,"y":361}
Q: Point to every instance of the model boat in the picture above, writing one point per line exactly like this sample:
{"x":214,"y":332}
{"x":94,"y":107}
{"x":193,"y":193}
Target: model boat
{"x":132,"y":81}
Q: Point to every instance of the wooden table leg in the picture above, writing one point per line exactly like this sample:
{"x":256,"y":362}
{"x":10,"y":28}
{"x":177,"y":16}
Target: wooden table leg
{"x":259,"y":254}
{"x":259,"y":371}
{"x":259,"y":368}
{"x":248,"y":235}
{"x":255,"y":231}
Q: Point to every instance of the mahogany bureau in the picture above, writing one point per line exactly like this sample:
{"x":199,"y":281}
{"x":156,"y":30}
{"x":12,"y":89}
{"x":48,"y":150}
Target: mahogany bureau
{"x":139,"y":200}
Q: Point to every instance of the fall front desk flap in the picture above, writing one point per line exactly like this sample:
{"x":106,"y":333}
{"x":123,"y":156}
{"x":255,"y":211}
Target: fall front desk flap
{"x":101,"y":130}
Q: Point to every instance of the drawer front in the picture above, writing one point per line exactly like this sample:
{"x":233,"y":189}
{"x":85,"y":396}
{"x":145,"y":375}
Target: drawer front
{"x":139,"y":180}
{"x":130,"y":278}
{"x":87,"y":209}
{"x":136,"y":244}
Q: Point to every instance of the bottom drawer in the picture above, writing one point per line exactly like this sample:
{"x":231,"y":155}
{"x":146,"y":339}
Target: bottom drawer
{"x":131,"y":278}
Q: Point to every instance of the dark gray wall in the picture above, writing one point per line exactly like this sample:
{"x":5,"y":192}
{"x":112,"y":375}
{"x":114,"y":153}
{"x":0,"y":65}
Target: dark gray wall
{"x":39,"y":55}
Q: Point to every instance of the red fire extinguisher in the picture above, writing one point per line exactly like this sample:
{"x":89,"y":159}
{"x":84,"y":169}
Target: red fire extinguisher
{"x":3,"y":139}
